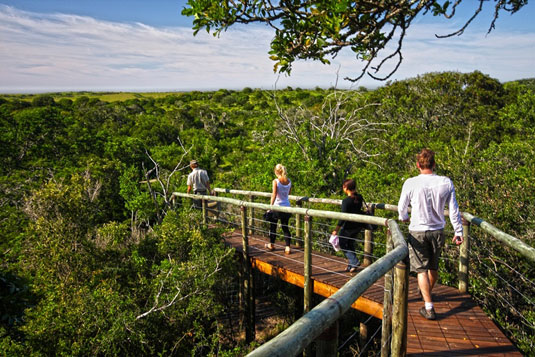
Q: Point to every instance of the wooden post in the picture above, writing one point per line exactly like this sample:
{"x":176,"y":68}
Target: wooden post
{"x":251,"y":216}
{"x":298,"y":226}
{"x":368,"y":248}
{"x":204,"y":212}
{"x":241,"y":292}
{"x":247,"y":281}
{"x":327,"y":342}
{"x":252,"y":304}
{"x":368,"y":243}
{"x":400,"y":308}
{"x":387,"y":304}
{"x":308,"y":288}
{"x":363,"y":339}
{"x":308,"y":266}
{"x":464,"y":257}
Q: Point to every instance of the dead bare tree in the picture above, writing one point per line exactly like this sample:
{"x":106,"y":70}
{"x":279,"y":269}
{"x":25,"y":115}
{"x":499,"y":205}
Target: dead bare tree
{"x":163,"y":179}
{"x":338,"y":126}
{"x":333,"y":125}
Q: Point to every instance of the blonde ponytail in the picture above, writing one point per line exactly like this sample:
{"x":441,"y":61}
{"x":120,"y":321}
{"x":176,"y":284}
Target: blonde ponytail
{"x":280,"y":172}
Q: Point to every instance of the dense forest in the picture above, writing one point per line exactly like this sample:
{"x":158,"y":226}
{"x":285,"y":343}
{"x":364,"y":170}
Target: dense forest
{"x":96,"y":260}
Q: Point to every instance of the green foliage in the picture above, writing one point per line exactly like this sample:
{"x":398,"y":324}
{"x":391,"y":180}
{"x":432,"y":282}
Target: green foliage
{"x":96,"y":263}
{"x":103,"y":292}
{"x":318,"y":30}
{"x":137,"y":201}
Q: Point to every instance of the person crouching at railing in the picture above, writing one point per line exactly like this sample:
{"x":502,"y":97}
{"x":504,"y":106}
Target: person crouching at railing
{"x":348,"y":230}
{"x":279,"y":197}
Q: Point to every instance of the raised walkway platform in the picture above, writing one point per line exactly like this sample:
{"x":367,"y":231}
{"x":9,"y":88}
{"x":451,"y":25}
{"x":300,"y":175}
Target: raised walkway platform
{"x":461,"y":327}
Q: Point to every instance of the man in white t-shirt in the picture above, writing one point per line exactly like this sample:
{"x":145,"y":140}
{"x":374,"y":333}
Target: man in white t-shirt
{"x":427,"y":194}
{"x":199,"y":181}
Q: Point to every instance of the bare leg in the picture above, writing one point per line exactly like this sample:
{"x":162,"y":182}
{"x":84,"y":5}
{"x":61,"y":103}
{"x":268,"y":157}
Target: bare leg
{"x":433,"y":277}
{"x":426,"y":281}
{"x":425,"y":285}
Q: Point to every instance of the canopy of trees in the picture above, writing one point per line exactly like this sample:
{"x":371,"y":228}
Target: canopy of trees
{"x":93,"y":261}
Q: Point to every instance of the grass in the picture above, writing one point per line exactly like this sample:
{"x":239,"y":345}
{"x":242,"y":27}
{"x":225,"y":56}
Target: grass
{"x":104,"y":96}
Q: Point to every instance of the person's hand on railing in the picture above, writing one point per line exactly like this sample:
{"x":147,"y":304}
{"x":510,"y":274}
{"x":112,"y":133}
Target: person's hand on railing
{"x":458,"y":240}
{"x":301,"y":200}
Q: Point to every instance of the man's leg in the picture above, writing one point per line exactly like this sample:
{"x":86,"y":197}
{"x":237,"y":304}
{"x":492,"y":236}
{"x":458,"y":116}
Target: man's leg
{"x":433,"y":277}
{"x":426,"y":281}
{"x":425,"y":286}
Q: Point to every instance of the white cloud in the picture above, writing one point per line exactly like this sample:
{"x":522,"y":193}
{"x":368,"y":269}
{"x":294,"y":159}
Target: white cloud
{"x":69,"y":52}
{"x":505,"y":55}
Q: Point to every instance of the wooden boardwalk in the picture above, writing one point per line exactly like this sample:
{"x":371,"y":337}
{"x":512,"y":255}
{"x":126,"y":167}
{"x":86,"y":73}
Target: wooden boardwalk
{"x":461,"y":327}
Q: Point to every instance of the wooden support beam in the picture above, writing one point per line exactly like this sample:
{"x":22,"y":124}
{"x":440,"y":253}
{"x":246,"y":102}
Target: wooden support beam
{"x":247,"y":281}
{"x":368,"y":248}
{"x":387,"y":304}
{"x":363,"y":304}
{"x":308,"y":286}
{"x":464,"y":257}
{"x":400,"y":309}
{"x":204,"y":212}
{"x":327,"y":342}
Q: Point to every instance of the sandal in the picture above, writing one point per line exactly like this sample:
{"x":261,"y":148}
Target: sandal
{"x":269,"y":246}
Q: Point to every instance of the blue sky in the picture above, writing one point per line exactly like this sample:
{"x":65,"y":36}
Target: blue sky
{"x":139,"y":45}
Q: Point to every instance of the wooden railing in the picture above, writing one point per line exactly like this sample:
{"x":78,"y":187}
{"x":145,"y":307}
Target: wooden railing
{"x":295,"y":338}
{"x":300,"y":334}
{"x":468,"y":219}
{"x":300,"y":200}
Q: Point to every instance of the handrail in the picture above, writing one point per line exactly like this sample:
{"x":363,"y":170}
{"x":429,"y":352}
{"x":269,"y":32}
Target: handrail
{"x":314,"y":322}
{"x":511,"y":241}
{"x":268,"y":194}
{"x":296,"y":210}
{"x":301,"y":333}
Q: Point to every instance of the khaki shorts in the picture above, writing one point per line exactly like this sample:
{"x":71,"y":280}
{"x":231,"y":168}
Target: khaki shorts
{"x":425,"y":249}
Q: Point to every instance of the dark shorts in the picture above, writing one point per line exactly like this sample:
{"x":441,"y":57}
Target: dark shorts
{"x":425,"y":249}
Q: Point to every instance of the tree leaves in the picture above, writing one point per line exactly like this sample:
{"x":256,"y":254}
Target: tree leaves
{"x":319,"y":30}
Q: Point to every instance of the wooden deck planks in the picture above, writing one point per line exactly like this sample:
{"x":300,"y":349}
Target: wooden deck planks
{"x":461,"y":328}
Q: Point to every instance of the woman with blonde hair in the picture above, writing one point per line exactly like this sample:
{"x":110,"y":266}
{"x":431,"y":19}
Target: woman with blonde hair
{"x":279,"y":197}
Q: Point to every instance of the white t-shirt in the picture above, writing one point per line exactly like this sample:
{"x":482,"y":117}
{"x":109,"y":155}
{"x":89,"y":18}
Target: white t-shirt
{"x":428,"y":194}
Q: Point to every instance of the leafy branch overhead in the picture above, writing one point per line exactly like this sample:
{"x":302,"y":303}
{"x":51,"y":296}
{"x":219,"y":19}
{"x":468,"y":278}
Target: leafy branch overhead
{"x":319,"y":29}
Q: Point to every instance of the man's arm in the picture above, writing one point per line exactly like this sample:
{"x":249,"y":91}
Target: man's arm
{"x":189,"y":183}
{"x":403,"y":204}
{"x":206,"y":181}
{"x":455,"y":217}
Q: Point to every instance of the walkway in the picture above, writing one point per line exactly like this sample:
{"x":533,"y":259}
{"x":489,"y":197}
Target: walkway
{"x":461,"y":328}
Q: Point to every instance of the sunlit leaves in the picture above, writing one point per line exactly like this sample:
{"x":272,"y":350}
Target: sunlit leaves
{"x":319,"y":29}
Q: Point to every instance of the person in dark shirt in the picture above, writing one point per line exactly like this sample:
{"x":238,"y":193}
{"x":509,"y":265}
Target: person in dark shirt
{"x":348,"y":230}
